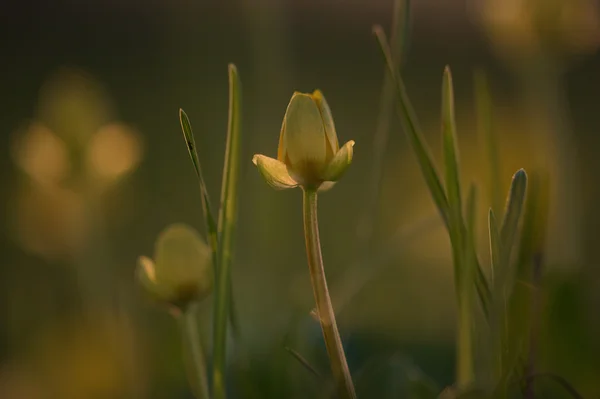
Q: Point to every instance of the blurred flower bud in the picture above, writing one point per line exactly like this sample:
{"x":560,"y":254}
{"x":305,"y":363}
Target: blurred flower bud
{"x":309,"y":154}
{"x":181,"y":271}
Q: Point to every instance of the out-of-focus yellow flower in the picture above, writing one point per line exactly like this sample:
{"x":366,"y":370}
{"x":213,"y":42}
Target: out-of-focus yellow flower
{"x":182,"y":269}
{"x":309,"y":154}
{"x":521,"y":27}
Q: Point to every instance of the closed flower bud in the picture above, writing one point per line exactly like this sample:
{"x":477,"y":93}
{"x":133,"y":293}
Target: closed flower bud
{"x":181,"y":271}
{"x":309,"y":154}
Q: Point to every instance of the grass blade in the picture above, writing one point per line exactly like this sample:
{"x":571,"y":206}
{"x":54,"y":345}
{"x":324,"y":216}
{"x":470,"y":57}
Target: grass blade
{"x":483,"y":110}
{"x":495,"y":244}
{"x":460,"y":248}
{"x":413,"y":131}
{"x":424,"y":158}
{"x":211,"y":226}
{"x":305,"y":363}
{"x":400,"y":29}
{"x":450,"y":150}
{"x":501,"y":244}
{"x":513,"y":210}
{"x":524,"y":302}
{"x":508,"y":233}
{"x":471,"y":215}
{"x":225,"y":229}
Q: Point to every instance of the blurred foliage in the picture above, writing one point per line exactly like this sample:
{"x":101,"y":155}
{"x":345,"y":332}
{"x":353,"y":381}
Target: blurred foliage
{"x":95,"y":168}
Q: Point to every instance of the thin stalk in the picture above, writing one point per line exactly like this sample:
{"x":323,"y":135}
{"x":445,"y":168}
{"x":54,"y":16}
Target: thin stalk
{"x":198,"y":376}
{"x":331,"y":335}
{"x":225,"y":228}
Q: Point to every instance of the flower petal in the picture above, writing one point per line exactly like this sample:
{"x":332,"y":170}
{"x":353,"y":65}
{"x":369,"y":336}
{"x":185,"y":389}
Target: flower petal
{"x":332,"y":139}
{"x":281,"y":147}
{"x":326,"y":186}
{"x":304,"y":135}
{"x":146,"y":276}
{"x":274,"y":172}
{"x":339,"y":163}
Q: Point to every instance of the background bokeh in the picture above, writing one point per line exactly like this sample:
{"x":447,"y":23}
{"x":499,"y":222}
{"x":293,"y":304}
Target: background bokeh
{"x":93,"y":167}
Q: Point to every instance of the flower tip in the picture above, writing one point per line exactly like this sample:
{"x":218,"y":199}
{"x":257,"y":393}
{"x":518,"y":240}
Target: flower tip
{"x":147,"y":267}
{"x":255,"y":159}
{"x":351,"y":143}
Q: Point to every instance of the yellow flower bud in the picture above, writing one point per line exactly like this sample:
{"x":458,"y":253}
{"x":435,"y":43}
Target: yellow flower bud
{"x":308,"y":154}
{"x":181,"y":271}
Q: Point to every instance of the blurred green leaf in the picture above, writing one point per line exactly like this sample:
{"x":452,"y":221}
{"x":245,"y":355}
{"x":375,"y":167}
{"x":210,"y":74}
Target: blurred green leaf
{"x":424,"y":158}
{"x":495,"y":244}
{"x":413,"y":131}
{"x":461,"y":250}
{"x":471,"y":215}
{"x":450,"y":150}
{"x":211,"y":226}
{"x":226,"y":228}
{"x":512,"y":213}
{"x":400,"y":31}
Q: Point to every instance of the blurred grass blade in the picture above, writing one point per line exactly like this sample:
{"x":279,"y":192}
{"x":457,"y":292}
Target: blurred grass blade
{"x":211,"y":226}
{"x":305,"y":363}
{"x":503,"y":273}
{"x":413,"y":131}
{"x":462,"y":255}
{"x":495,"y":246}
{"x":226,"y":227}
{"x":450,"y":150}
{"x":483,"y":290}
{"x":525,"y":303}
{"x":399,"y":41}
{"x":512,"y":213}
{"x":471,"y":215}
{"x":485,"y":128}
{"x":423,"y":154}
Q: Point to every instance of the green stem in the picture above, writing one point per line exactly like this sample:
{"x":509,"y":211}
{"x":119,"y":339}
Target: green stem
{"x":464,"y":361}
{"x":333,"y":342}
{"x":198,"y":376}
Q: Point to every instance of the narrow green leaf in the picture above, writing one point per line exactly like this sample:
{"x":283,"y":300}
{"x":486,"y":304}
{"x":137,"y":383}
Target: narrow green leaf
{"x":305,"y":363}
{"x":481,"y":283}
{"x":226,"y":228}
{"x":400,"y":31}
{"x":450,"y":150}
{"x":485,"y":128}
{"x":501,"y":243}
{"x":211,"y":226}
{"x":411,"y":128}
{"x":461,"y":248}
{"x":524,"y":302}
{"x":471,"y":215}
{"x":512,"y":213}
{"x":495,"y":244}
{"x":423,"y":154}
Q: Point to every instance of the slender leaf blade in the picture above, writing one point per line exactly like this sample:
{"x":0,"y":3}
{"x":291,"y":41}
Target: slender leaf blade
{"x":513,"y":210}
{"x":495,"y":243}
{"x":450,"y":150}
{"x":226,"y":227}
{"x":211,"y":226}
{"x":399,"y":40}
{"x":423,"y":154}
{"x":413,"y":131}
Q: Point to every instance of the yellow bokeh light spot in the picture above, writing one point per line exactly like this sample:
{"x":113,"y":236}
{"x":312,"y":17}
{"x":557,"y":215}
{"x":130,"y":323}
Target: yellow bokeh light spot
{"x":113,"y":151}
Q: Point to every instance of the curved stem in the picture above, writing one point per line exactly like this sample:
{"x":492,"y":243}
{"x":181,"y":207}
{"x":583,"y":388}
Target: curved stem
{"x":197,"y":374}
{"x":333,"y":342}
